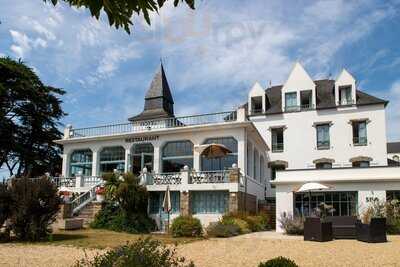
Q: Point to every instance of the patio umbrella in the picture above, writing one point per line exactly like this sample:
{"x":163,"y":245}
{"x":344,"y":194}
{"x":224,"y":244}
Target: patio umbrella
{"x":213,"y":150}
{"x":167,"y":207}
{"x":308,"y":187}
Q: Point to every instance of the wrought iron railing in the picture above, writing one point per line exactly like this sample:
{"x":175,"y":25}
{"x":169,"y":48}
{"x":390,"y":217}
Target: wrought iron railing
{"x":323,"y":144}
{"x":277,"y":147}
{"x":209,"y":177}
{"x":169,"y":178}
{"x":360,"y":141}
{"x":143,"y":126}
{"x":292,"y":108}
{"x":64,"y":181}
{"x":91,"y":180}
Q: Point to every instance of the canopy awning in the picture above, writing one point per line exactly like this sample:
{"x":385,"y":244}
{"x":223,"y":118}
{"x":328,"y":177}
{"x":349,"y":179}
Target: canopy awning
{"x":212,"y":150}
{"x":308,"y":187}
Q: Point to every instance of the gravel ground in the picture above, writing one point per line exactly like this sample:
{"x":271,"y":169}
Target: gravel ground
{"x":246,"y":250}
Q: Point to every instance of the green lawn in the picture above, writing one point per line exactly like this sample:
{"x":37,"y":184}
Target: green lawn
{"x":96,"y":238}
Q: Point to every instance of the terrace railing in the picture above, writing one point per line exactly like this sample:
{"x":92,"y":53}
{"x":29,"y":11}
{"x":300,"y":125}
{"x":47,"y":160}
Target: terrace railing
{"x":170,"y":178}
{"x":209,"y":177}
{"x":143,"y":126}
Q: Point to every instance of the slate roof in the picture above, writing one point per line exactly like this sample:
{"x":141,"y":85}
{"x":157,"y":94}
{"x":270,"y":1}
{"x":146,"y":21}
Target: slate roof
{"x":325,"y":94}
{"x":393,"y":147}
{"x":158,"y":100}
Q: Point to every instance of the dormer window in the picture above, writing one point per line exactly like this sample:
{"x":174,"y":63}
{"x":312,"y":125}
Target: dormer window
{"x":306,"y":99}
{"x":345,"y":97}
{"x":291,"y":101}
{"x":256,"y":105}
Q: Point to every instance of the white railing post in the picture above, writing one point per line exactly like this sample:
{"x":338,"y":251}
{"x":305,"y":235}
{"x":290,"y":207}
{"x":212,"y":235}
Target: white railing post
{"x":241,"y":114}
{"x":185,"y":173}
{"x":67,"y":131}
{"x":79,"y":180}
{"x":144,"y":176}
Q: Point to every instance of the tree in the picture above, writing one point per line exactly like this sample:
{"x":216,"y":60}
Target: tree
{"x":29,"y":119}
{"x":119,"y":12}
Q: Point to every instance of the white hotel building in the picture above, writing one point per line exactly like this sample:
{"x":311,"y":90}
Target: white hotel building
{"x":326,"y":131}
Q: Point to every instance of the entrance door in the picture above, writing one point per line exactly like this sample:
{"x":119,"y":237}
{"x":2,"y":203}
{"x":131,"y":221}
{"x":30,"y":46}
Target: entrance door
{"x":142,"y":156}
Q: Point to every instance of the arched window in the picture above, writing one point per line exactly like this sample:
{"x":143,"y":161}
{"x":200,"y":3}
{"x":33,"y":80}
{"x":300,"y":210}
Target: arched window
{"x":142,"y":156}
{"x":176,"y":155}
{"x":222,"y":163}
{"x":81,"y":162}
{"x":112,"y":158}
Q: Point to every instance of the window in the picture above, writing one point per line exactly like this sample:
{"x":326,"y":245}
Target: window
{"x":248,"y":155}
{"x":344,"y":203}
{"x":209,"y":201}
{"x":306,"y":99}
{"x":142,"y":157}
{"x":81,"y":162}
{"x":262,"y":169}
{"x":392,"y":194}
{"x":256,"y":167}
{"x":156,"y":200}
{"x":112,"y":158}
{"x":277,"y":140}
{"x":256,"y":105}
{"x":360,"y":133}
{"x":291,"y":101}
{"x":323,"y":165}
{"x":323,"y":139}
{"x":361,"y":164}
{"x":345,"y":97}
{"x":176,"y":155}
{"x":221,"y":163}
{"x":274,"y":169}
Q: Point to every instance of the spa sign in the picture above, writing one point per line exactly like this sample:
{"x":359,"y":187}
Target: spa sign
{"x":141,"y":139}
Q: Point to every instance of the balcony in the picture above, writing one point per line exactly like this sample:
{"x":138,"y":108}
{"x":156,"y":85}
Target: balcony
{"x":360,"y":141}
{"x":209,"y":177}
{"x":277,"y":147}
{"x":149,"y":125}
{"x":323,"y":145}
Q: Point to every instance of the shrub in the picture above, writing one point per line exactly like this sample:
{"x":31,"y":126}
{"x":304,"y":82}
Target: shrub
{"x":253,"y":223}
{"x":5,"y":203}
{"x":186,"y":226}
{"x":242,"y":224}
{"x":219,"y":229}
{"x":142,"y":253}
{"x":278,"y":262}
{"x":293,"y":225}
{"x":126,"y":207}
{"x":257,"y":223}
{"x":111,"y":217}
{"x":34,"y":208}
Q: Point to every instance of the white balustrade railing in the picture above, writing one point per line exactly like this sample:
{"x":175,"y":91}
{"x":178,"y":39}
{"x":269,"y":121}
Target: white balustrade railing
{"x":209,"y":177}
{"x":143,"y":126}
{"x":85,"y":198}
{"x":171,"y":178}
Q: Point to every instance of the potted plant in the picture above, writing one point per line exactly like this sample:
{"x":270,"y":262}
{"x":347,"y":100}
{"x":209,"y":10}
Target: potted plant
{"x":372,"y":227}
{"x":100,"y":193}
{"x":317,"y":228}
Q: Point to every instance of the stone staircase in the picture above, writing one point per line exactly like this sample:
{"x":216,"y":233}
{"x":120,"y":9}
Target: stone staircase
{"x":89,"y":212}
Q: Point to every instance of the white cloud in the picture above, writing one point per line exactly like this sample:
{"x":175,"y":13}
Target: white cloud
{"x":21,"y":44}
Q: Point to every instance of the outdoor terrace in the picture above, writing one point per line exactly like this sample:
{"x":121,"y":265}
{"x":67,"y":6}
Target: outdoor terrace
{"x":151,"y":125}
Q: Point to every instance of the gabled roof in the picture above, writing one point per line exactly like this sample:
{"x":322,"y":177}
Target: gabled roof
{"x":325,"y":94}
{"x":393,"y":147}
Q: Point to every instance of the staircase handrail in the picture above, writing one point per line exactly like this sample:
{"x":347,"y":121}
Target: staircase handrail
{"x":85,"y":198}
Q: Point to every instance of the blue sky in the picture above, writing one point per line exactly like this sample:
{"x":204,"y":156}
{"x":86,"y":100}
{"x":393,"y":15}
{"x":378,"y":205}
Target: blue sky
{"x":212,"y":55}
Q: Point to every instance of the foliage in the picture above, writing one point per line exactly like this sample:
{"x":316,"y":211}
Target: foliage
{"x":119,"y":13}
{"x":254,"y":223}
{"x":112,"y":181}
{"x":34,"y":207}
{"x":29,"y":119}
{"x":220,"y":229}
{"x":376,"y":209}
{"x":293,"y":225}
{"x":131,"y":197}
{"x":5,"y":203}
{"x":278,"y":262}
{"x":389,"y":210}
{"x":242,"y":224}
{"x":186,"y":226}
{"x":142,"y":253}
{"x":111,"y":217}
